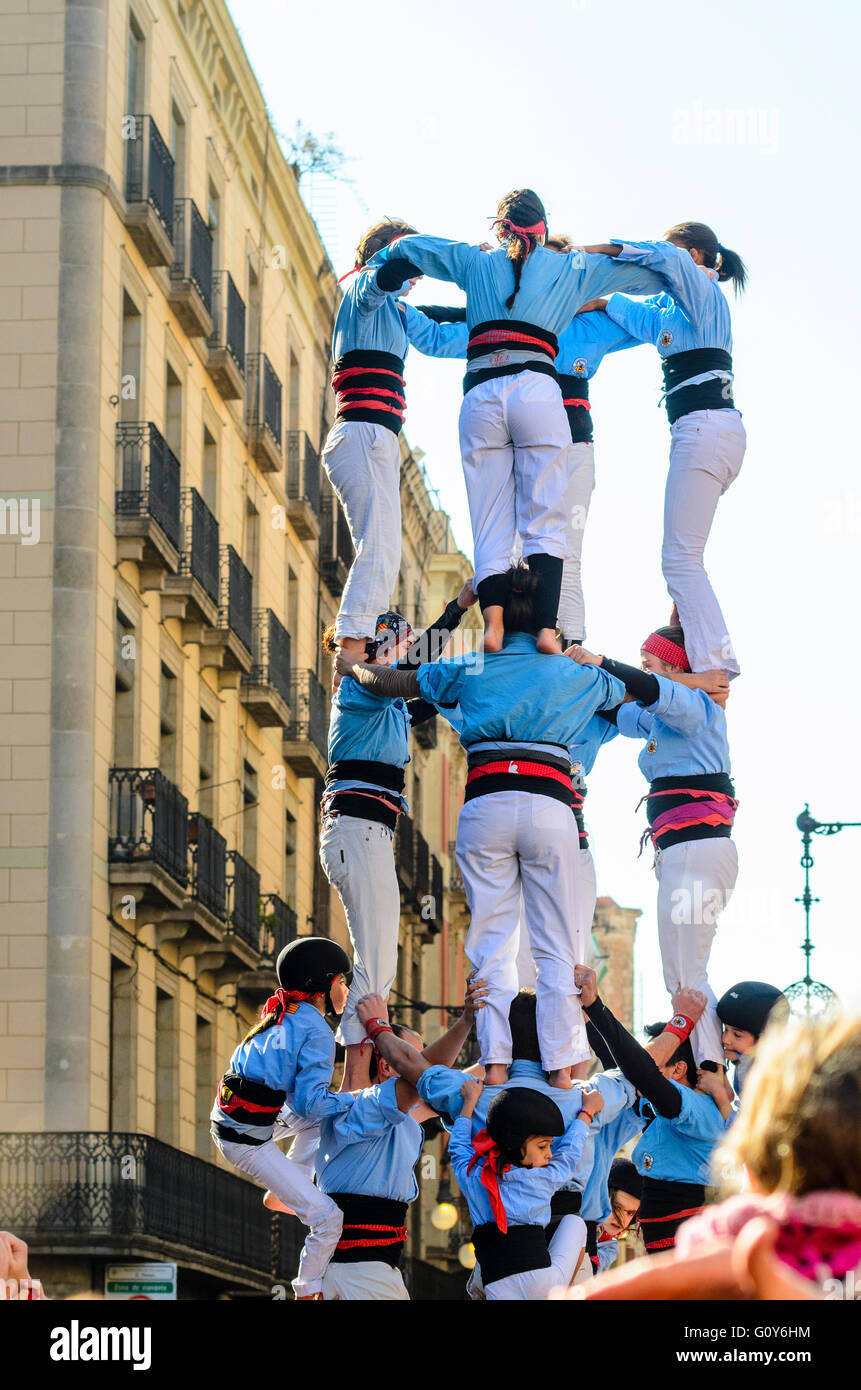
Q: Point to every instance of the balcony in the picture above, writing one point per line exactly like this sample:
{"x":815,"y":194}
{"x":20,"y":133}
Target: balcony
{"x":227,"y":642}
{"x":209,"y":866}
{"x":226,"y":343}
{"x":421,"y":871}
{"x":306,"y":736}
{"x":455,"y":880}
{"x":279,"y":925}
{"x":244,"y":916}
{"x":405,"y":856}
{"x":192,"y":596}
{"x":190,"y":291}
{"x":265,"y":689}
{"x":147,"y":838}
{"x":425,"y":735}
{"x":303,"y":485}
{"x":264,"y":412}
{"x":336,"y":543}
{"x":432,"y":912}
{"x":126,"y":1197}
{"x":149,"y":190}
{"x":147,"y":505}
{"x":198,"y":926}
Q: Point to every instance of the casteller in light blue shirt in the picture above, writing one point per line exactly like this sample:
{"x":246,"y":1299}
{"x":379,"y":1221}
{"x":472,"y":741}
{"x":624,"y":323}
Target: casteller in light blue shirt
{"x":376,"y":320}
{"x":372,"y":1149}
{"x":684,"y":730}
{"x":526,"y":1193}
{"x":519,"y":694}
{"x":369,"y":727}
{"x":586,"y":342}
{"x":680,"y":1149}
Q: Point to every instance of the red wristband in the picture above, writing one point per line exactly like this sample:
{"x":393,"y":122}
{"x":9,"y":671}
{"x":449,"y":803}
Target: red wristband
{"x":375,"y":1026}
{"x":681,"y":1026}
{"x":587,"y":1113}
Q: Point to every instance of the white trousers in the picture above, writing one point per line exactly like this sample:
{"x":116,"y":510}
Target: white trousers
{"x":695,"y":882}
{"x":363,"y":462}
{"x":271,"y":1168}
{"x":535,"y":1284}
{"x":359,"y":861}
{"x":514,"y":442}
{"x":510,"y":844}
{"x":368,"y":1280}
{"x":571,"y":618}
{"x":587,"y":892}
{"x":706,"y":453}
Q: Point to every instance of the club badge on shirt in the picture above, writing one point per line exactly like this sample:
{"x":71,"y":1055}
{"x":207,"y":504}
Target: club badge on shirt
{"x":580,"y":366}
{"x":647,"y":1160}
{"x":666,"y":338}
{"x":652,"y":746}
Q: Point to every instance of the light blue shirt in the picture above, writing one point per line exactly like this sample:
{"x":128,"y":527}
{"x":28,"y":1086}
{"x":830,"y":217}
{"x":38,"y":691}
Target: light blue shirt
{"x":680,"y":1149}
{"x":378,"y":321}
{"x":526,"y":1193}
{"x":586,"y":341}
{"x":695,"y":314}
{"x":595,"y":1205}
{"x":520,"y":694}
{"x":552,"y":286}
{"x":296,"y":1056}
{"x":685,"y":732}
{"x":368,"y":727}
{"x":584,"y":752}
{"x":372,"y":1149}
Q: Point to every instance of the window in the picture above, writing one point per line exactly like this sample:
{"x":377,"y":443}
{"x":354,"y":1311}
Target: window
{"x":251,"y":546}
{"x":207,"y":763}
{"x":214,"y":222}
{"x":205,"y":1080}
{"x":291,"y":604}
{"x":168,"y":723}
{"x":210,"y":471}
{"x":135,"y":69}
{"x":130,"y":360}
{"x":166,"y":1067}
{"x":123,"y":1057}
{"x":249,"y":812}
{"x":293,"y":412}
{"x":289,"y":857}
{"x":125,"y":653}
{"x":253,"y":316}
{"x":173,"y":411}
{"x":178,"y":148}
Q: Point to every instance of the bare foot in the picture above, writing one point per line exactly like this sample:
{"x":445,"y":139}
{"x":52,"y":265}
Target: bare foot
{"x":561,"y":1079}
{"x":494,"y":632}
{"x":495,"y":1074}
{"x":273,"y":1203}
{"x":548,"y":642}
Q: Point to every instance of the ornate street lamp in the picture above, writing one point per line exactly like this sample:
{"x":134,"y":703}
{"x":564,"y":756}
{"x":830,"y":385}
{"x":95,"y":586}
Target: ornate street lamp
{"x":808,"y":997}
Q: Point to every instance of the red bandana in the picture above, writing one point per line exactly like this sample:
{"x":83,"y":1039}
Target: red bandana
{"x":485,"y":1148}
{"x":281,"y":1000}
{"x":667,"y":651}
{"x":537,"y":228}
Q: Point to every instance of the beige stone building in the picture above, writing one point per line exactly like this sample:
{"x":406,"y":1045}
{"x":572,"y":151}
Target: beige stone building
{"x":170,"y":554}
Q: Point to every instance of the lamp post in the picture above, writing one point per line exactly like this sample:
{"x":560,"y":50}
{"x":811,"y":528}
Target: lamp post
{"x":808,"y":996}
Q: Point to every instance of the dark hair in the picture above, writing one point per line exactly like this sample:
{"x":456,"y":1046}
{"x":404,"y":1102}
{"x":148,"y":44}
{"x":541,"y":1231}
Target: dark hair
{"x":696,"y":236}
{"x":560,"y":243}
{"x":683,"y":1053}
{"x":265,"y":1021}
{"x":524,"y":1029}
{"x":519,"y":585}
{"x":380,"y":235}
{"x":671,"y":634}
{"x":525,"y":209}
{"x":398,"y":1029}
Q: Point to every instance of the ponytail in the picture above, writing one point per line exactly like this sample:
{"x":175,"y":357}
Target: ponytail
{"x":522,"y":215}
{"x":520,"y":585}
{"x":267,"y":1021}
{"x":696,"y":236}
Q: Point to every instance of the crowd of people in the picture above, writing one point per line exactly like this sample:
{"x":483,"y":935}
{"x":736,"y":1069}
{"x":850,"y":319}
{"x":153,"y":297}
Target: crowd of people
{"x":541,"y":1129}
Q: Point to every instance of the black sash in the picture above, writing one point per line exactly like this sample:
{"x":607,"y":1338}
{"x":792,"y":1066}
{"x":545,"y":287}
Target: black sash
{"x":519,"y":1250}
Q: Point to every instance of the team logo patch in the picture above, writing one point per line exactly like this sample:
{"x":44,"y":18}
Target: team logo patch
{"x":647,"y":1160}
{"x":652,"y":746}
{"x":512,"y":767}
{"x":678,"y":1022}
{"x":580,"y":366}
{"x":665,"y":339}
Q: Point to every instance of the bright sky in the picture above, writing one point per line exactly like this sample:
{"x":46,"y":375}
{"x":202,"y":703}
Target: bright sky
{"x":627,"y":120}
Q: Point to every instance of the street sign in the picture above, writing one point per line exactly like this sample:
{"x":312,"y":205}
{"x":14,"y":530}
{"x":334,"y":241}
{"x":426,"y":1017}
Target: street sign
{"x":153,"y":1280}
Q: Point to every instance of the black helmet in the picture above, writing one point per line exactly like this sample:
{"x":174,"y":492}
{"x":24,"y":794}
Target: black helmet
{"x":623,"y":1177}
{"x":749,"y":1005}
{"x":310,"y":964}
{"x":518,"y":1112}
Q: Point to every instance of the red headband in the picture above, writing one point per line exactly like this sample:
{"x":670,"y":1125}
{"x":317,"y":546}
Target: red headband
{"x":537,"y":228}
{"x":280,"y":1001}
{"x":665,"y":650}
{"x":486,"y":1148}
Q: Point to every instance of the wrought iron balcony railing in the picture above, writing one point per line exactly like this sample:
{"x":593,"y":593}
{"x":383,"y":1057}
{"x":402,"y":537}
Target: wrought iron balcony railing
{"x":436,"y":893}
{"x":280,"y":925}
{"x":148,"y":821}
{"x":150,"y":474}
{"x":308,"y":711}
{"x":149,"y":169}
{"x":271,"y":654}
{"x":200,"y":554}
{"x":264,"y":396}
{"x":121,"y":1191}
{"x":455,"y":879}
{"x":244,"y":885}
{"x":421,"y":870}
{"x":228,"y":313}
{"x":303,"y":470}
{"x":236,"y":597}
{"x":192,"y":245}
{"x":208,"y":865}
{"x":336,"y":543}
{"x":405,"y":852}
